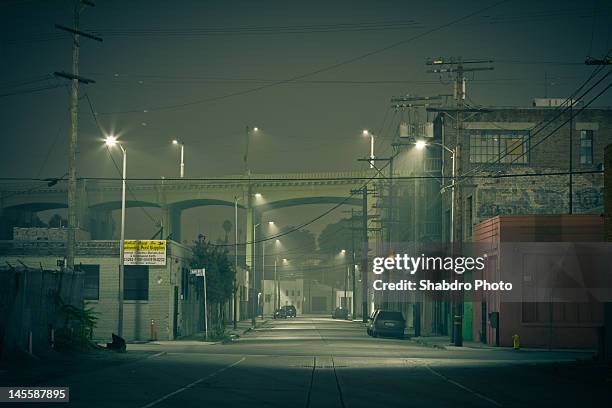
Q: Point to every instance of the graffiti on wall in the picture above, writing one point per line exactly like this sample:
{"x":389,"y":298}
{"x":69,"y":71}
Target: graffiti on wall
{"x":518,"y":201}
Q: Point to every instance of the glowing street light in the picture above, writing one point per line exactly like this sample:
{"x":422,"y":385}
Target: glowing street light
{"x":258,"y":195}
{"x":111,"y":141}
{"x":420,"y":145}
{"x":372,"y":157}
{"x":182,"y":166}
{"x":248,"y":132}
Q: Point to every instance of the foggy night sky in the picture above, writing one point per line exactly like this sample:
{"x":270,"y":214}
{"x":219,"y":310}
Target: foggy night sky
{"x":308,"y":126}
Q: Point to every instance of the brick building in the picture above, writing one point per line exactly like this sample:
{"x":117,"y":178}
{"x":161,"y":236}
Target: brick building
{"x":496,"y":148}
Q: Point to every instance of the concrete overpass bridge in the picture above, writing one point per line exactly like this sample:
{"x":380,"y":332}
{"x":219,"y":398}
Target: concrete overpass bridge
{"x":257,"y":193}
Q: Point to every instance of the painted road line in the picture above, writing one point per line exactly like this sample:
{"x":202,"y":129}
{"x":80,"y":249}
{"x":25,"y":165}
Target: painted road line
{"x":191,"y":385}
{"x":463,"y":387}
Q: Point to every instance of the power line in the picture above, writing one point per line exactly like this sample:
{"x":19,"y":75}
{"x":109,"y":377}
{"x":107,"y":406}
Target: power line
{"x":317,"y":71}
{"x":99,"y":127}
{"x":564,"y":107}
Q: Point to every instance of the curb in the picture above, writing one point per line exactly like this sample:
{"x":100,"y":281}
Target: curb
{"x":430,"y":345}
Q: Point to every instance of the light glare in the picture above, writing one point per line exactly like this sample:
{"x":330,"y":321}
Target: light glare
{"x":110,"y":141}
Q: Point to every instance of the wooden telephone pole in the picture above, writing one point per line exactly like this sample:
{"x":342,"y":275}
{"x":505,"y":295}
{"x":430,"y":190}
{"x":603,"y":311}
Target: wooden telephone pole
{"x":74,"y":78}
{"x":457,"y":68}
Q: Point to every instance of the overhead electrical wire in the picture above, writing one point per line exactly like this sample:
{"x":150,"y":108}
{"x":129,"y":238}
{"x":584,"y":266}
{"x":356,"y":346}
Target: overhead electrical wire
{"x":313,"y":72}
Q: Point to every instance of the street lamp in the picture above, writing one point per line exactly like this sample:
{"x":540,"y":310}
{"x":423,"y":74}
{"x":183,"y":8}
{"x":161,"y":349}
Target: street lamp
{"x":276,"y":282}
{"x":457,"y":311}
{"x":255,"y":301}
{"x":263,"y":260}
{"x":420,"y":145}
{"x":235,"y":300}
{"x":248,"y":132}
{"x":111,"y":141}
{"x":372,"y":157}
{"x":182,"y":167}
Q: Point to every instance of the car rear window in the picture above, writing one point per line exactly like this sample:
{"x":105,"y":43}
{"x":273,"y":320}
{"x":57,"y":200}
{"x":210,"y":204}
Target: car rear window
{"x":390,"y":316}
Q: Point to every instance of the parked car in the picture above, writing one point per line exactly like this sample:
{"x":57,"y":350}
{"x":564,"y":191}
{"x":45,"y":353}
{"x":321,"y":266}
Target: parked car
{"x":290,"y":310}
{"x":386,"y":323}
{"x":280,"y":314}
{"x":340,"y":313}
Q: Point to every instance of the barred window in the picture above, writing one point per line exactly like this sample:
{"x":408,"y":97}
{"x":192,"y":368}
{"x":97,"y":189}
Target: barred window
{"x":503,"y":146}
{"x":586,"y":147}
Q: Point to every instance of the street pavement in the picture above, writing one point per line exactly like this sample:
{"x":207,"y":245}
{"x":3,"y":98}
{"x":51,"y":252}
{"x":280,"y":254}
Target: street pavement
{"x":319,"y":362}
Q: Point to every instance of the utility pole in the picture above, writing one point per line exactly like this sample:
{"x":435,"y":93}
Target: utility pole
{"x":456,"y":67}
{"x":571,"y":158}
{"x":364,"y":254}
{"x":354,"y":308}
{"x":73,"y":136}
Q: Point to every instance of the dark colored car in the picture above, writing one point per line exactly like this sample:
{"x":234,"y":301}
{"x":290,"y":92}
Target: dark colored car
{"x":290,"y":310}
{"x":280,"y":314}
{"x":386,"y":323}
{"x":340,"y":313}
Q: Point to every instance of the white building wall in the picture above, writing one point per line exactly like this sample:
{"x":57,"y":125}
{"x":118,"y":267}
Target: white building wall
{"x":137,"y":313}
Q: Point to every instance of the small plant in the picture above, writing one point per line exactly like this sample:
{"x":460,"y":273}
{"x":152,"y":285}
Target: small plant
{"x":78,"y":325}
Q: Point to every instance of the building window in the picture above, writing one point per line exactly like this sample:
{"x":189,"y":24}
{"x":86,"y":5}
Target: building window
{"x":267,"y":298}
{"x":91,"y":281}
{"x":286,"y":292}
{"x":586,"y":147}
{"x":298,"y":292}
{"x":292,"y":292}
{"x":136,"y":282}
{"x":469,"y":216}
{"x":501,"y":146}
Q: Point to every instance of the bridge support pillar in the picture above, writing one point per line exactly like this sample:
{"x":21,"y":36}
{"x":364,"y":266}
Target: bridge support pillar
{"x":171,"y":222}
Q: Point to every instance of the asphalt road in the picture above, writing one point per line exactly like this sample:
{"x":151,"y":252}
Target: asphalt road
{"x":320,"y":362}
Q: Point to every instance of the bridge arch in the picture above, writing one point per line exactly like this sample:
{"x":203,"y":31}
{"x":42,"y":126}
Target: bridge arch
{"x":35,"y":207}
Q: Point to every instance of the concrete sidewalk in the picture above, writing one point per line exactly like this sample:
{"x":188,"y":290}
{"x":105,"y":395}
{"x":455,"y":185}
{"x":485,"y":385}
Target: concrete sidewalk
{"x":444,"y":343}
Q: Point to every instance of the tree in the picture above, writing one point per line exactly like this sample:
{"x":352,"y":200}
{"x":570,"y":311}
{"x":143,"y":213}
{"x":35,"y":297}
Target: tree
{"x":337,"y":236}
{"x":301,"y":240}
{"x":219,"y":276}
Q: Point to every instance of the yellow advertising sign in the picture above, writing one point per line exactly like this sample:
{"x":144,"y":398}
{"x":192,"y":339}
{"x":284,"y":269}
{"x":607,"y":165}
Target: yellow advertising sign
{"x":144,"y":252}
